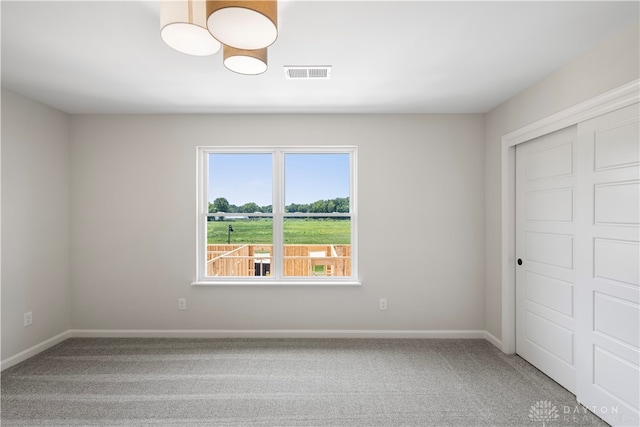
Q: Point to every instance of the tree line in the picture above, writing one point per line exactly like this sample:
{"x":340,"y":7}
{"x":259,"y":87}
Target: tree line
{"x":339,"y":204}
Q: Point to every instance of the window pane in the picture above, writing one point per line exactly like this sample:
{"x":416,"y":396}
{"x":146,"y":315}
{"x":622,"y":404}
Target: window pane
{"x":239,"y":246}
{"x":317,"y":246}
{"x":240,"y":183}
{"x":317,"y":183}
{"x":313,"y":218}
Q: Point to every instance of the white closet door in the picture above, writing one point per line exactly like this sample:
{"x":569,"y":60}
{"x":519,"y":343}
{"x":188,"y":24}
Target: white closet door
{"x":608,"y":276}
{"x":545,"y":229}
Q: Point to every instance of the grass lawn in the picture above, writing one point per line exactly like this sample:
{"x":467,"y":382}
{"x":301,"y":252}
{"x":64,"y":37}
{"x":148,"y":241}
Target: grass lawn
{"x":296,"y":231}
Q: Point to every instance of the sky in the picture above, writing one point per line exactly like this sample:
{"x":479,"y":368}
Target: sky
{"x":244,"y":178}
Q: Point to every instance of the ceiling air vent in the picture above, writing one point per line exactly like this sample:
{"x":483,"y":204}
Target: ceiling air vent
{"x":322,"y":72}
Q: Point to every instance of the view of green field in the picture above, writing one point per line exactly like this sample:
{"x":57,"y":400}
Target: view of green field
{"x":296,"y":231}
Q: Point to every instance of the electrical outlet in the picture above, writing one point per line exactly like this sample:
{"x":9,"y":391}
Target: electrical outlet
{"x":182,"y":304}
{"x":28,"y":318}
{"x":383,"y":303}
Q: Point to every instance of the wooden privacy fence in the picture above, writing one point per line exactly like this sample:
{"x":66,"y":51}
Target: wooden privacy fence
{"x":299,"y":260}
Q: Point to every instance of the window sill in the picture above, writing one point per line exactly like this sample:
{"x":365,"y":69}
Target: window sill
{"x":268,"y":284}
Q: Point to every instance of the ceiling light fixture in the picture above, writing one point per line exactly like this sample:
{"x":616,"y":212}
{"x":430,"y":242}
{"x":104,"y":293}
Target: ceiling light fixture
{"x":200,"y":27}
{"x":242,"y":61}
{"x":183,"y":26}
{"x":243,"y":24}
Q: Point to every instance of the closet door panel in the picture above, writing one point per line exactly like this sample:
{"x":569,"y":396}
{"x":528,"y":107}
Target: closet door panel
{"x":608,"y":267}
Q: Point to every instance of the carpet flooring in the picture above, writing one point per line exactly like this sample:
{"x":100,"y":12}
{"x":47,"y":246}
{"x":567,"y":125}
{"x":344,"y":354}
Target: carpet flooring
{"x":283,"y":382}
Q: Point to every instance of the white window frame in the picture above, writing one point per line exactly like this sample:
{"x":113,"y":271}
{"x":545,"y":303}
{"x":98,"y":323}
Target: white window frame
{"x":278,"y":215}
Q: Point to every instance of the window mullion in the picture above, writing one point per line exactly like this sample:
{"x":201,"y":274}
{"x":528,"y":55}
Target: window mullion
{"x":278,"y":209}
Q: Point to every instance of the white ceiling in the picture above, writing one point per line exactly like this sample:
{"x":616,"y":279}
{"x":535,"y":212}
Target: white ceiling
{"x":387,"y":56}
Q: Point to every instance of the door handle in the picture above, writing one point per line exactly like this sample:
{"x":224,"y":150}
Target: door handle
{"x":519,"y":261}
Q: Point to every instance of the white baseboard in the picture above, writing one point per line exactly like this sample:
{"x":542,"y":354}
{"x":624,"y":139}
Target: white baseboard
{"x":257,"y":333}
{"x":276,"y":333}
{"x":493,"y":340}
{"x":32,"y":351}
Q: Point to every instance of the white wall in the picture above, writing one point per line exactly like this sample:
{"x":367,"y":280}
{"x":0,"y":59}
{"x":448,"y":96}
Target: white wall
{"x":132,"y":201}
{"x":133,"y":224}
{"x":606,"y":67}
{"x":35,"y":223}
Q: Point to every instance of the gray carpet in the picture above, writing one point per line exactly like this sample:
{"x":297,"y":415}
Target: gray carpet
{"x":282,"y":382}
